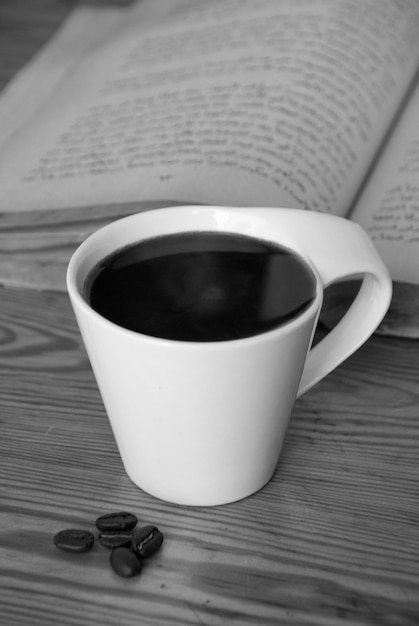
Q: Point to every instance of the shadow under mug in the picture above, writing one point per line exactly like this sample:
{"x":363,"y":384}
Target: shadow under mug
{"x":203,"y":423}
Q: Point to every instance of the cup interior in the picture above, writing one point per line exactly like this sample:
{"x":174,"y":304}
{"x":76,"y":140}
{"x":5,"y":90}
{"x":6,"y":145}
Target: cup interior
{"x":158,"y":222}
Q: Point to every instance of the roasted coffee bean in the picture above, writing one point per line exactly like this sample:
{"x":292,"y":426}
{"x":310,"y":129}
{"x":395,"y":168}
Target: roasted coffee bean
{"x":74,"y":540}
{"x":146,"y":541}
{"x":115,"y":539}
{"x":125,"y":563}
{"x":116,"y":521}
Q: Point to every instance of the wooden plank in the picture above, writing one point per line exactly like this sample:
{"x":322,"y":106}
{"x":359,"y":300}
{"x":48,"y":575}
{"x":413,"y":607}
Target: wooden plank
{"x":332,"y":537}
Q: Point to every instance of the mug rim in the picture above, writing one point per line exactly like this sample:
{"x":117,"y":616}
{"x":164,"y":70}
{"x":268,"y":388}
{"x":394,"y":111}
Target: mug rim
{"x":73,"y":282}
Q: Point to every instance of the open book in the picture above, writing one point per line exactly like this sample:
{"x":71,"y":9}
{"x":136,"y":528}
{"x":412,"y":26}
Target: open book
{"x":288,"y":103}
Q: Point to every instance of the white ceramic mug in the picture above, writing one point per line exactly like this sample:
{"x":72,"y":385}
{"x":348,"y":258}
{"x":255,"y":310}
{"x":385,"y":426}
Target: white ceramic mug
{"x":203,"y":423}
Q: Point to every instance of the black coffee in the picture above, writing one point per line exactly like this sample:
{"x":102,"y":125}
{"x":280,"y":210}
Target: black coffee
{"x":201,"y":286}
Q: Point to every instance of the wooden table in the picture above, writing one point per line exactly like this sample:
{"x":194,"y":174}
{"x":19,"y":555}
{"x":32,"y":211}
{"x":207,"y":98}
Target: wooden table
{"x":332,"y":540}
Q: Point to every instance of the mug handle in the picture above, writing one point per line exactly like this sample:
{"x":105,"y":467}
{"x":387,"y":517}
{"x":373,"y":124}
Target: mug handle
{"x":341,"y":250}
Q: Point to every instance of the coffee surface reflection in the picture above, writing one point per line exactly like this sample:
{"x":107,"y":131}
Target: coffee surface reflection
{"x":201,"y":286}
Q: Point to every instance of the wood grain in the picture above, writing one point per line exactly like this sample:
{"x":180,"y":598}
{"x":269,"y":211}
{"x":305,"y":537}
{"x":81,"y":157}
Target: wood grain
{"x":332,"y":540}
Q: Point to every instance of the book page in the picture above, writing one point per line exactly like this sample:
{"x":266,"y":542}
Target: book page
{"x":276,"y":103}
{"x":389,"y":207}
{"x":85,"y":28}
{"x":39,"y":79}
